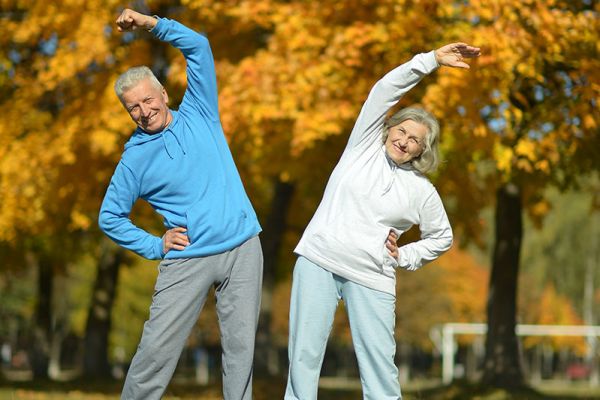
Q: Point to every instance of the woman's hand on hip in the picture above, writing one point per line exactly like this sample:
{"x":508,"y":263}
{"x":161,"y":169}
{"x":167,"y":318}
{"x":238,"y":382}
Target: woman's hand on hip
{"x":392,"y":244}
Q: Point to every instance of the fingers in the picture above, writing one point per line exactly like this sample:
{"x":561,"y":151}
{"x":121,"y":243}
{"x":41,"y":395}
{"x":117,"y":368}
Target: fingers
{"x":175,"y":239}
{"x":128,"y":20}
{"x":462,"y":50}
{"x":392,"y":235}
{"x":179,"y":241}
{"x":467,"y":51}
{"x":391,"y":244}
{"x":460,"y":64}
{"x":124,"y":21}
{"x":453,"y":54}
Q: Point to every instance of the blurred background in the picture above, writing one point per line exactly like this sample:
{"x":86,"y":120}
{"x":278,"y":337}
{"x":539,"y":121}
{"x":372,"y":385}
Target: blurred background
{"x":520,"y":143}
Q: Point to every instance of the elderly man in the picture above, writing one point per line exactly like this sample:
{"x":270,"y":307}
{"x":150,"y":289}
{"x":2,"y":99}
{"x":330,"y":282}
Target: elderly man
{"x":179,"y":162}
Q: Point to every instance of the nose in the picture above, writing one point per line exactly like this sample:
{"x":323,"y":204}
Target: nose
{"x":145,"y":109}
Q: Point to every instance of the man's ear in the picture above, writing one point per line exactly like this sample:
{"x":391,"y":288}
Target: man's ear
{"x":165,"y":95}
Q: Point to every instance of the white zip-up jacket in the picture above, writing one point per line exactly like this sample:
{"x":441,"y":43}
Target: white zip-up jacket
{"x":368,"y":195}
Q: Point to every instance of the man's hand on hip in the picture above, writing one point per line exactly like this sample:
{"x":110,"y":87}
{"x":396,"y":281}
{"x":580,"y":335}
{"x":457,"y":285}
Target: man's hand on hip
{"x":175,"y":238}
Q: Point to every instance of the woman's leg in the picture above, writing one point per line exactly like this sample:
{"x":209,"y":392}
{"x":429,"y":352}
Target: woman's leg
{"x":314,"y":299}
{"x":372,"y":320}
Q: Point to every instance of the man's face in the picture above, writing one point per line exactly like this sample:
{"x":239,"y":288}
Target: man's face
{"x":147,"y":106}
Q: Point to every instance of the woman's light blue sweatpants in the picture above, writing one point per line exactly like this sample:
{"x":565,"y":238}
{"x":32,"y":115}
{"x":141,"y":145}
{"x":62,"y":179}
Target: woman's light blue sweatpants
{"x":314,"y":299}
{"x":181,"y":289}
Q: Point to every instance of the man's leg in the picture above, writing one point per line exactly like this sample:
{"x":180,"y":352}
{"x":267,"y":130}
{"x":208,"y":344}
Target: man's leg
{"x":181,"y":289}
{"x":372,"y":319}
{"x":314,"y":299}
{"x":238,"y":304}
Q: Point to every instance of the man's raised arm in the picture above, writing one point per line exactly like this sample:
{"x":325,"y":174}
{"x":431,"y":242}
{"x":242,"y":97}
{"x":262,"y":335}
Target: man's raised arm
{"x":201,"y":93}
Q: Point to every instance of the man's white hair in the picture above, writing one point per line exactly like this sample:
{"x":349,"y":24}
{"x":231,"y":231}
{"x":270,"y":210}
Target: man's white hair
{"x":132,"y":77}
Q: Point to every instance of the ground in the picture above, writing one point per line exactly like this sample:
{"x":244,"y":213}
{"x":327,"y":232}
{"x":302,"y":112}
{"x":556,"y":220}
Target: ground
{"x":272,"y":389}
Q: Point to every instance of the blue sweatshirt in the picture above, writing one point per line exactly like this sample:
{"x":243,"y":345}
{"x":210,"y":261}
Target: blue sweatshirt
{"x":185,"y":172}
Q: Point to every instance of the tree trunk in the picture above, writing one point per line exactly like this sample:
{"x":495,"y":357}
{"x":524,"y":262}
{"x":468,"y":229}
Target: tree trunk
{"x":271,"y":239}
{"x":95,"y":361}
{"x":39,"y":354}
{"x":502,"y":363}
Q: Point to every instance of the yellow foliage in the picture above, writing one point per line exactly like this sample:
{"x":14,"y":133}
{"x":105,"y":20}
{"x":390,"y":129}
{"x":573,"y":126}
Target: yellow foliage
{"x":540,"y":209}
{"x":589,"y":122}
{"x":556,"y":309}
{"x":526,"y":148}
{"x":468,"y":294}
{"x":504,"y":157}
{"x":543,"y":166}
{"x":80,"y":221}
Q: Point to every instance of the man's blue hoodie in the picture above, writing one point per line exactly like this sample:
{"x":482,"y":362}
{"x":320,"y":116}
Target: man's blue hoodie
{"x":186,"y":172}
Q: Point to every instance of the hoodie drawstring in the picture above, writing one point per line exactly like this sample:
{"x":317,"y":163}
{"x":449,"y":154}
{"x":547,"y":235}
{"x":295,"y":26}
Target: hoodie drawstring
{"x":166,"y":143}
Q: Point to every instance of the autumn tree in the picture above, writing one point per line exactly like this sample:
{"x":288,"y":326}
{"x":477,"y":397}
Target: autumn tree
{"x":43,"y":191}
{"x":61,"y":130}
{"x":530,"y":107}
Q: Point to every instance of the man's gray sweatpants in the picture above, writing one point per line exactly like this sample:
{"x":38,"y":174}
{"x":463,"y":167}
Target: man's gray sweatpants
{"x":181,"y":290}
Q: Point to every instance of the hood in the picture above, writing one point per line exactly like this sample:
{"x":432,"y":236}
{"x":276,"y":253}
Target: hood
{"x":169,"y":139}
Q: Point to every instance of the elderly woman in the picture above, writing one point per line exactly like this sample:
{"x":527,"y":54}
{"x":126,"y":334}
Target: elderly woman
{"x":349,"y":250}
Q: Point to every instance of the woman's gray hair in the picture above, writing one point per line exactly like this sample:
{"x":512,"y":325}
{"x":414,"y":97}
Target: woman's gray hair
{"x":132,"y":77}
{"x":429,"y":159}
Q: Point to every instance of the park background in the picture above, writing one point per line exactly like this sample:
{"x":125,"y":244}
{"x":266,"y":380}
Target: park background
{"x":521,"y":149}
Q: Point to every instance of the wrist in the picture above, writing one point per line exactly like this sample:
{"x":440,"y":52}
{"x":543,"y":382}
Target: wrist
{"x":150,"y":22}
{"x":437,"y":57}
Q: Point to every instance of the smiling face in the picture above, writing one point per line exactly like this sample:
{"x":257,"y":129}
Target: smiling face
{"x":405,"y":141}
{"x":147,"y":106}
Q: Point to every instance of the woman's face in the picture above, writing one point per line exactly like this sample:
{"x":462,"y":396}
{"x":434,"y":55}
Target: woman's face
{"x":405,"y":141}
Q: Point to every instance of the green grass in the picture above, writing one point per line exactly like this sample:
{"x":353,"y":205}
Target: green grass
{"x":272,"y":389}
